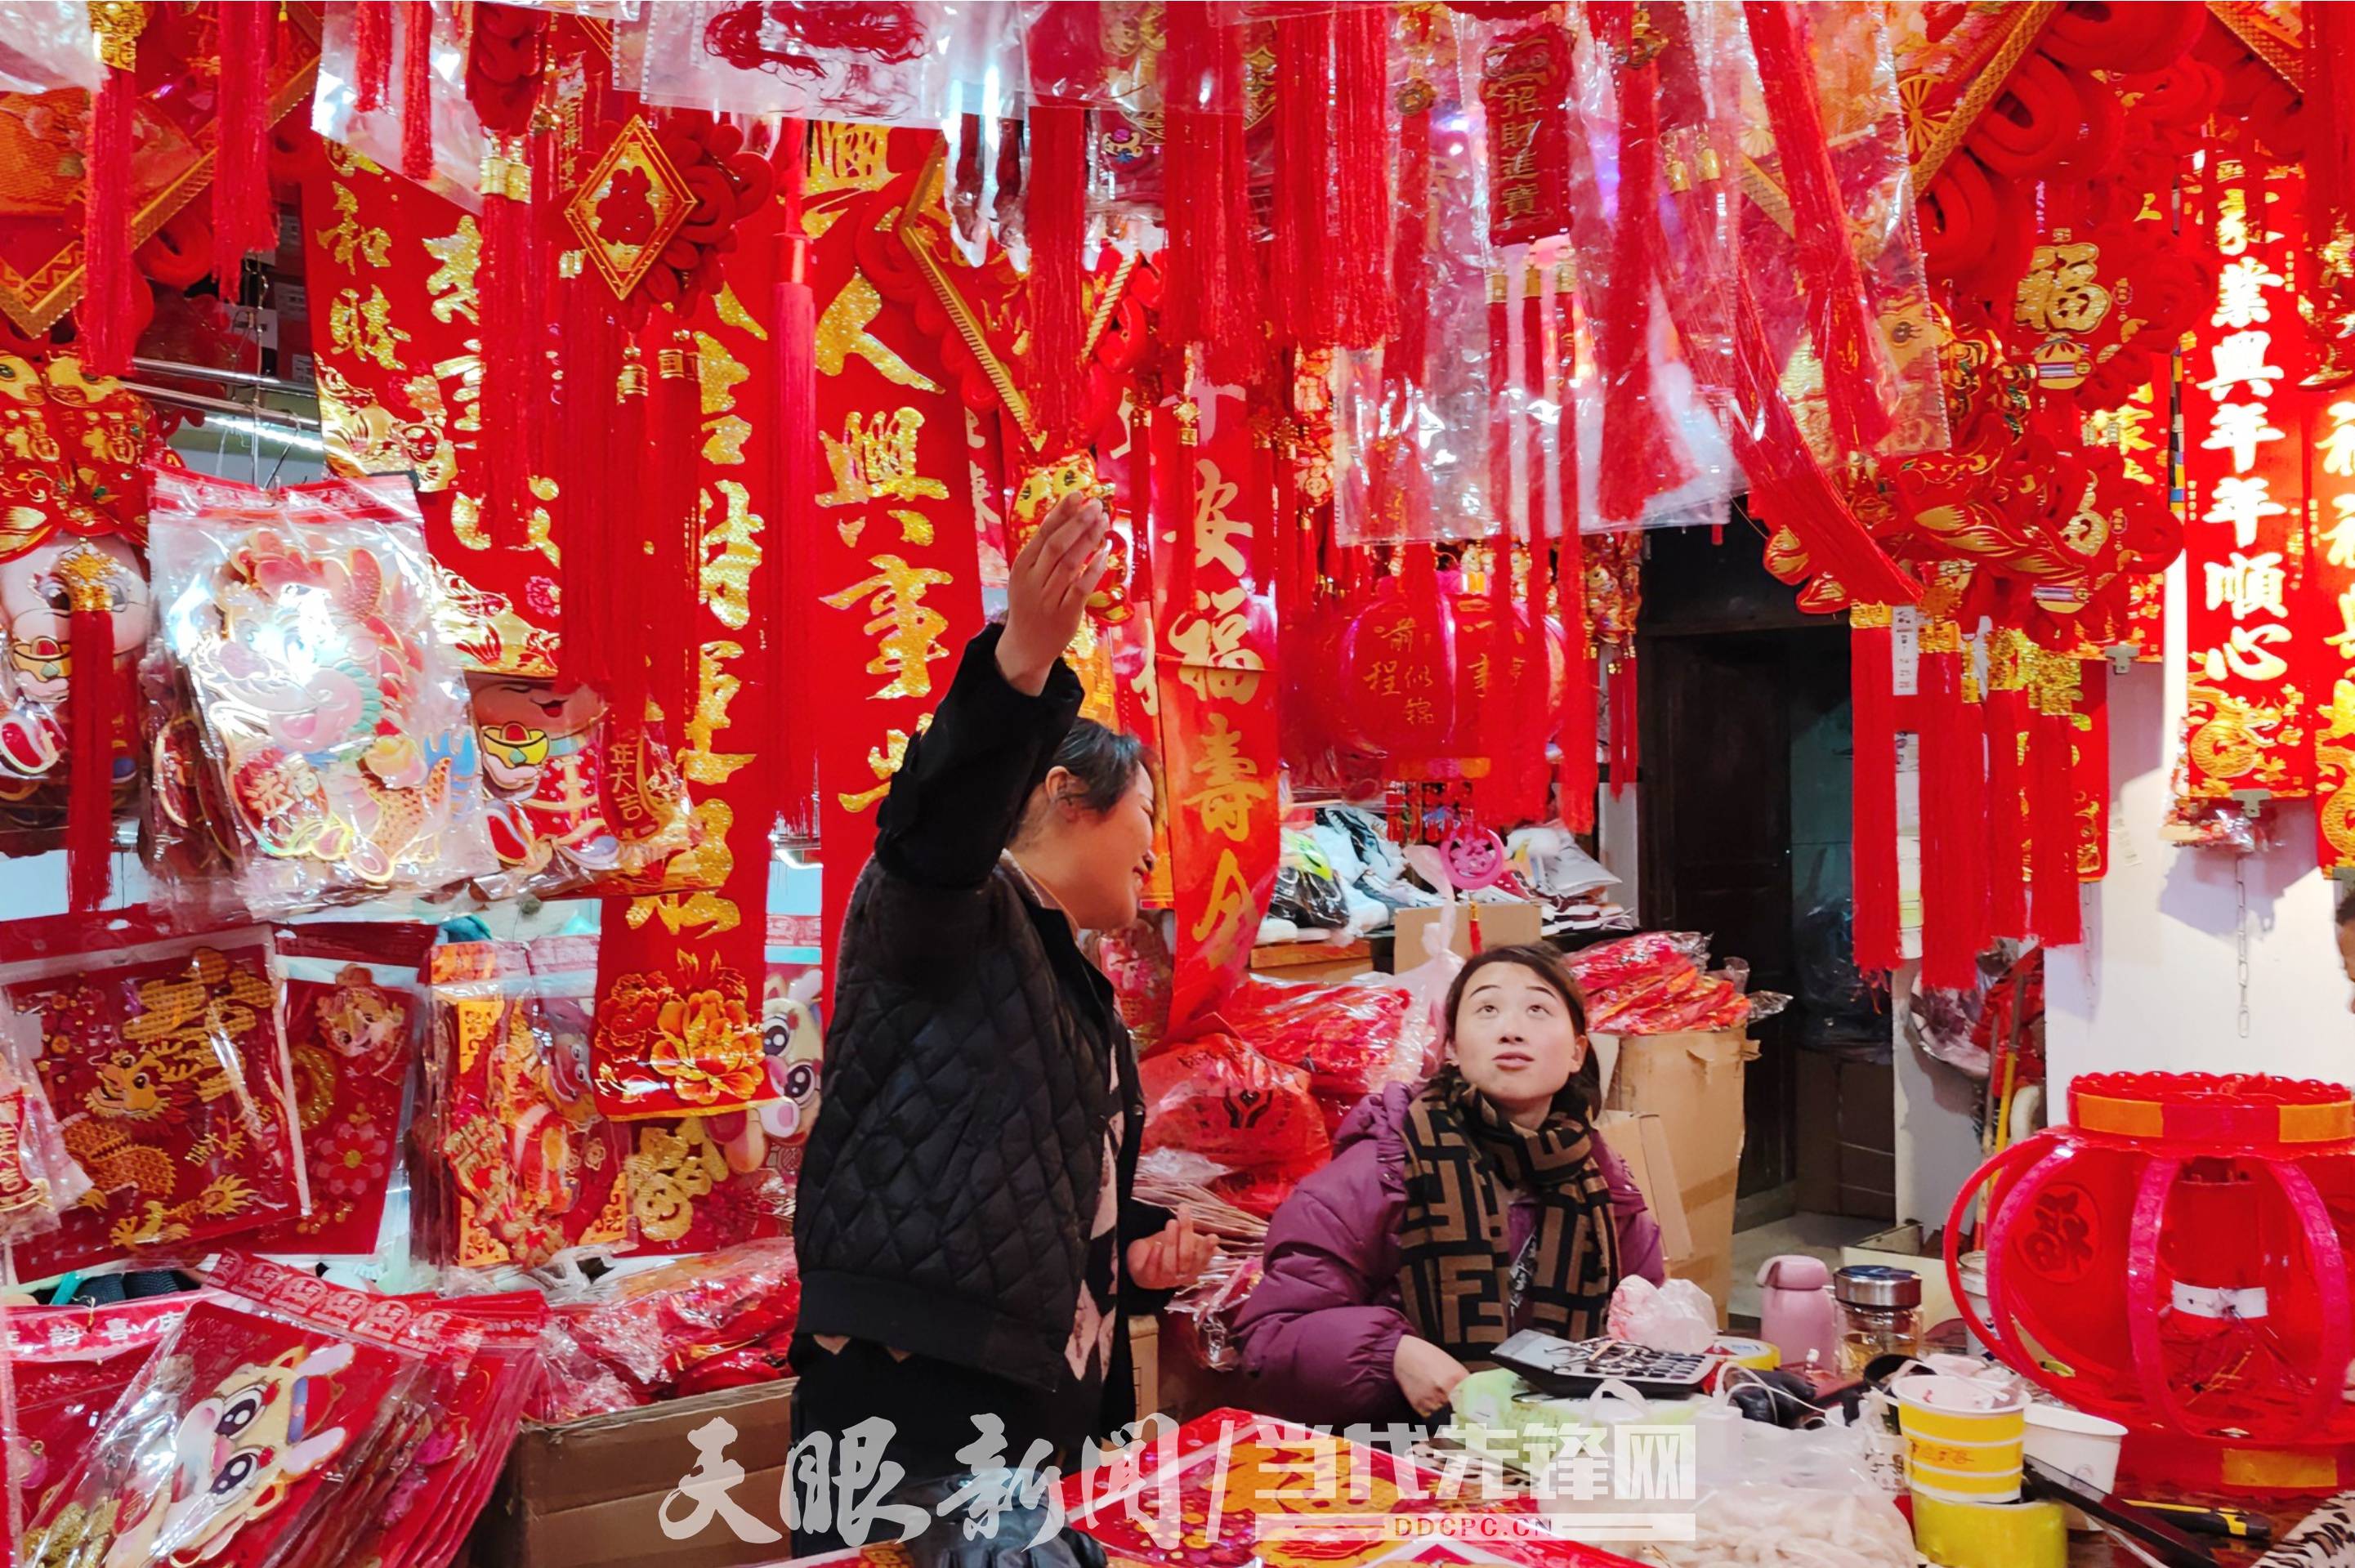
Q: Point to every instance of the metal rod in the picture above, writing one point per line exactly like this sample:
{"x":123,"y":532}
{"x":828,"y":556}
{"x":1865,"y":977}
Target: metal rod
{"x":197,"y":400}
{"x":226,"y":378}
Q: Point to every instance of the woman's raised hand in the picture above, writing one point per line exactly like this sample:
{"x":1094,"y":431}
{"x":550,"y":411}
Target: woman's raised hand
{"x":1049,"y":588}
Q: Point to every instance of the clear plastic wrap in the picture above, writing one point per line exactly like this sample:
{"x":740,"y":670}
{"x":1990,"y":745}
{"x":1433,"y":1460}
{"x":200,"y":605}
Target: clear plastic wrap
{"x":39,"y":1179}
{"x":715,"y":1321}
{"x":511,"y":1162}
{"x":49,"y":47}
{"x":331,"y":712}
{"x":230,"y":1444}
{"x":353,"y":1020}
{"x":900,"y":63}
{"x":70,"y":1365}
{"x":1350,"y":1039}
{"x":165,"y":1059}
{"x":1217,"y":1098}
{"x":1203,"y":1314}
{"x":567,"y":811}
{"x":457,"y":132}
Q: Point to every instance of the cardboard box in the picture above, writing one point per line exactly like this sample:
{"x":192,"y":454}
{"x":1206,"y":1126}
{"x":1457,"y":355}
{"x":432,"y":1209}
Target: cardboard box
{"x":1501,"y":925}
{"x":590,"y":1492}
{"x":1642,"y":1145}
{"x":1691,"y":1083}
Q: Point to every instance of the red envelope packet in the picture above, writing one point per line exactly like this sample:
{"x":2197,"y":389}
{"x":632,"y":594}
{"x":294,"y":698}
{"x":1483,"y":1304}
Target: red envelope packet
{"x":352,"y":1024}
{"x":226,"y":1446}
{"x":166,"y":1062}
{"x":70,"y":1364}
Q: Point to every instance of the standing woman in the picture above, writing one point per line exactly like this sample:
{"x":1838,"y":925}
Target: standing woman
{"x":1454,"y":1217}
{"x":967,"y":1242}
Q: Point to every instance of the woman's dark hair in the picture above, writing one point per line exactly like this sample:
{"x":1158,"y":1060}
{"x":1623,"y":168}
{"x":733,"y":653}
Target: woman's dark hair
{"x":2347,"y":907}
{"x":1103,"y":764}
{"x":1548,"y":967}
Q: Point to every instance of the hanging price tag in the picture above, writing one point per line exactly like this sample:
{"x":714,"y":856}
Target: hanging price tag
{"x":1905,"y":651}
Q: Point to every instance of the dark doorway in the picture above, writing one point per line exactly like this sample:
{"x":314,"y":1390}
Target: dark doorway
{"x":1744,"y":817}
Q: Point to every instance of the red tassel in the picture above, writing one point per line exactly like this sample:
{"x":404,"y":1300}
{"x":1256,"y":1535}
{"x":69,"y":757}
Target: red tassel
{"x":1828,"y":268}
{"x":2007,"y":796}
{"x":91,"y":690}
{"x":1212,"y":294}
{"x":244,"y":219}
{"x":416,"y":91}
{"x":1501,"y":370}
{"x":795,"y":575}
{"x":1361,"y":89}
{"x":1302,"y":294}
{"x":591,"y":346}
{"x":1872,"y":705}
{"x":676,"y":430}
{"x":628,"y":615}
{"x":1626,"y":738}
{"x":1951,"y":802}
{"x":1648,"y":458}
{"x":1055,"y":217}
{"x":2059,"y":910}
{"x":105,"y":316}
{"x":2327,"y":70}
{"x":371,"y":54}
{"x":1580,"y":712}
{"x":1409,"y":286}
{"x":512,"y":328}
{"x":2091,"y":784}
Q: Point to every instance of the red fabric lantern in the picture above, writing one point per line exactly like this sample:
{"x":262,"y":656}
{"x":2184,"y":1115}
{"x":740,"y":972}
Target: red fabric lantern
{"x":1397,"y":665}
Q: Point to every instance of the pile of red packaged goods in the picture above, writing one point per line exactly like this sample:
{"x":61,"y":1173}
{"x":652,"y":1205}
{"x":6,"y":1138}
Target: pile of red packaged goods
{"x":1655,"y":983}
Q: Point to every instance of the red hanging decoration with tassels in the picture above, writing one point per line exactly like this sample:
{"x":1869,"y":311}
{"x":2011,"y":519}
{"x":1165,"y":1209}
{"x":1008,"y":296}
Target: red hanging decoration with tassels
{"x":1409,"y":284}
{"x":676,"y":488}
{"x":1302,"y":296}
{"x":2058,"y":909}
{"x":1581,"y":712}
{"x":1626,"y":733}
{"x":371,"y":54}
{"x":105,"y":318}
{"x":1361,"y":165}
{"x":794,"y":574}
{"x":1211,"y":295}
{"x":1055,"y":216}
{"x":92,"y":693}
{"x":1951,"y":800}
{"x":2007,"y":715}
{"x":416,"y":91}
{"x":245,"y":221}
{"x":1832,"y":280}
{"x":1872,"y":706}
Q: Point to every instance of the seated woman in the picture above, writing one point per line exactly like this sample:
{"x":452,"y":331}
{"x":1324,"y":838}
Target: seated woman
{"x":1455,"y":1217}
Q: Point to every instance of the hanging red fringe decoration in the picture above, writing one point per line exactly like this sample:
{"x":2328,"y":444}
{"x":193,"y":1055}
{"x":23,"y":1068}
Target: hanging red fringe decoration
{"x":1647,"y":457}
{"x":1832,"y":280}
{"x":2059,"y":911}
{"x":416,"y":91}
{"x":371,"y":54}
{"x":1872,"y":706}
{"x":675,"y":432}
{"x":2006,"y":795}
{"x":106,"y":317}
{"x":1409,"y":286}
{"x":1580,"y":776}
{"x":1362,"y":87}
{"x":1950,"y":806}
{"x":244,"y":219}
{"x":1626,"y":737}
{"x":91,"y":690}
{"x":794,"y":575}
{"x":510,"y":332}
{"x":1303,"y":296}
{"x":1211,"y":294}
{"x":1055,"y":218}
{"x":2327,"y":71}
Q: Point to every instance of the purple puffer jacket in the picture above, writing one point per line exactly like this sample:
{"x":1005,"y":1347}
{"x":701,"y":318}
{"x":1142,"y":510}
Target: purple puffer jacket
{"x":1321,"y":1328}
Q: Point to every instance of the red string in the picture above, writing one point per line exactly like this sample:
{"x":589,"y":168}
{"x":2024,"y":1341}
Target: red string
{"x":105,"y":316}
{"x":1054,"y":207}
{"x":244,"y":219}
{"x":417,"y":91}
{"x":91,"y":698}
{"x":1302,"y":294}
{"x":1872,"y":705}
{"x":1834,"y":282}
{"x":371,"y":53}
{"x":1362,"y":173}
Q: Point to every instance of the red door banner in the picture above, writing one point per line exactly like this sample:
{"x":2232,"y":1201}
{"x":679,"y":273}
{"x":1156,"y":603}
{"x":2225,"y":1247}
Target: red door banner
{"x":1215,"y":658}
{"x":2244,"y":539}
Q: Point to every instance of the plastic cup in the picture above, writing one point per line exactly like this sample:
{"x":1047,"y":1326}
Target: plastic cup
{"x":2084,"y":1446}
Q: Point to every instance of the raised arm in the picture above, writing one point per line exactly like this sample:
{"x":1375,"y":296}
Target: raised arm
{"x":959,"y":793}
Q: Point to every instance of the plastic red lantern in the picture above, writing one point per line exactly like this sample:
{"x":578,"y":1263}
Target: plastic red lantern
{"x":2175,"y":1260}
{"x":1397,"y":675}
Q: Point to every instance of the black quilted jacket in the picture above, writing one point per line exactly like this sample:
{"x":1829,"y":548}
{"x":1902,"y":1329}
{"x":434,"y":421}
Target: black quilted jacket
{"x":955,"y":1170}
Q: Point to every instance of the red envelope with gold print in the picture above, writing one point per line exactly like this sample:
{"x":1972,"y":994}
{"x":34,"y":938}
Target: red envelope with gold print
{"x":164,"y":1059}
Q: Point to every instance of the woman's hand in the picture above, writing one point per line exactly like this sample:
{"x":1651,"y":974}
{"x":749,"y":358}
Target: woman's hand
{"x":1048,"y":589}
{"x":1172,"y":1260}
{"x":1426,"y":1374}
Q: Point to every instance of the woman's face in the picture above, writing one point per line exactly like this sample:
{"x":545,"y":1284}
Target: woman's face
{"x":1514,"y":1037}
{"x":1103,"y":860}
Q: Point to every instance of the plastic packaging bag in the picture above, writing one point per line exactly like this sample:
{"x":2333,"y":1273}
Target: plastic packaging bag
{"x":881,"y":64}
{"x":1677,"y":1316}
{"x":377,"y":136}
{"x":229,"y":1445}
{"x":1350,"y":1039}
{"x":70,"y":1365}
{"x":1218,"y":1098}
{"x":38,"y":1179}
{"x":353,"y":1021}
{"x":164,"y":1057}
{"x":1803,"y":1499}
{"x":332,"y":713}
{"x":49,"y":46}
{"x":703,"y":1323}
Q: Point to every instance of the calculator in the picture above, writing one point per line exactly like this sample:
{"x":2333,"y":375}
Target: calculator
{"x":1567,"y":1368}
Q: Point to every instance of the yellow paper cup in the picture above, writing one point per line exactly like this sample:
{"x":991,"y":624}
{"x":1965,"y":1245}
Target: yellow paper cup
{"x":1963,"y":1486}
{"x":1972,"y":1458}
{"x":1936,"y":1407}
{"x":1981,"y":1535}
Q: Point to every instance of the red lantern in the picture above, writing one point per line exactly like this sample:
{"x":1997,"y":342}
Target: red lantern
{"x":2175,"y":1260}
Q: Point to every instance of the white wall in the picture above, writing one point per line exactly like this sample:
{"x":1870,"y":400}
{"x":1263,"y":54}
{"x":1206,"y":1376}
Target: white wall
{"x":2154,"y":985}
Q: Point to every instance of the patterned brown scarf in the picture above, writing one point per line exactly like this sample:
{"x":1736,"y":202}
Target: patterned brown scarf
{"x":1463,"y":1162}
